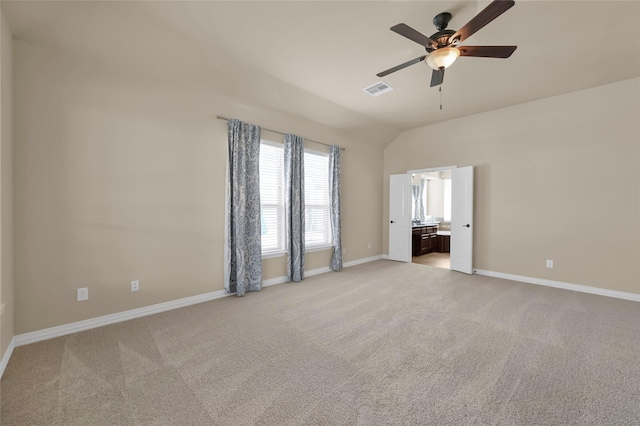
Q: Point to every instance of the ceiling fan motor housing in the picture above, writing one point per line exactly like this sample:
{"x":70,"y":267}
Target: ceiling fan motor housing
{"x":441,"y":21}
{"x":442,"y":38}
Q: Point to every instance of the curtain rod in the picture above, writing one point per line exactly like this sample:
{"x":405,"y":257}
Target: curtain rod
{"x":219,"y":117}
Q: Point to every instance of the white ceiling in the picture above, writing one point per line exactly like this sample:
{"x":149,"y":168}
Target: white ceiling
{"x":328,"y":51}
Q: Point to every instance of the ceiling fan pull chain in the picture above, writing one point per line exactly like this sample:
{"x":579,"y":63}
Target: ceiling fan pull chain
{"x":440,"y":90}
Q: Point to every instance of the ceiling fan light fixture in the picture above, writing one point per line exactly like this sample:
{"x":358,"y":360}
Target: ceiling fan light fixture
{"x":443,"y":57}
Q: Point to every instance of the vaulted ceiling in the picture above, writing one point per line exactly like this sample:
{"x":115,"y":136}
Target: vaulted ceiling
{"x":321,"y":54}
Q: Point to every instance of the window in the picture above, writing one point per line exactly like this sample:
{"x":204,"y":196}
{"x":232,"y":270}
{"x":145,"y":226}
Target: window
{"x":316,"y":195}
{"x":317,"y":226}
{"x":272,"y":197}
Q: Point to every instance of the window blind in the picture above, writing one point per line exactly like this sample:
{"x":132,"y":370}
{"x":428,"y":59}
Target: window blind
{"x":316,"y":198}
{"x":316,"y":194}
{"x":272,"y":197}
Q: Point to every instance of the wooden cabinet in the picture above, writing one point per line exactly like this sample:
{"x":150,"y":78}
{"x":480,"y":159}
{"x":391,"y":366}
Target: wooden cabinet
{"x":424,"y":239}
{"x":444,"y":244}
{"x":433,"y":243}
{"x":416,"y":241}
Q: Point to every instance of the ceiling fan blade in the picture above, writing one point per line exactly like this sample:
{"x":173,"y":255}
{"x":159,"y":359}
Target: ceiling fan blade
{"x":437,"y":77}
{"x":401,"y":66}
{"x":488,"y":14}
{"x":487,"y":51}
{"x":408,"y":32}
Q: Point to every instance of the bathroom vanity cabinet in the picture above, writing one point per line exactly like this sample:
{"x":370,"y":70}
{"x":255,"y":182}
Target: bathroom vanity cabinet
{"x":443,"y":244}
{"x":424,"y":239}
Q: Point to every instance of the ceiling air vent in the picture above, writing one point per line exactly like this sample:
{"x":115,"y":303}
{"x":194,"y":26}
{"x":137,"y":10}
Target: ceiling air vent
{"x":378,"y":89}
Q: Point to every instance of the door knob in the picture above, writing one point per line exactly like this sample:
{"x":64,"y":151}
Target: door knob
{"x":467,"y":226}
{"x":392,"y":222}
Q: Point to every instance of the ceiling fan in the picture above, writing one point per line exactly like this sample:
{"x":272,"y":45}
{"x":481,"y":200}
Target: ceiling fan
{"x":442,"y":47}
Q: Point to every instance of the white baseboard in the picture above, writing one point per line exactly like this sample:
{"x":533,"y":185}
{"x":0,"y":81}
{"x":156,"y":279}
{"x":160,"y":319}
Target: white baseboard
{"x":62,"y":330}
{"x":274,"y":281}
{"x":283,"y":279}
{"x":7,"y":355}
{"x":318,"y":271}
{"x":364,"y":260}
{"x":558,"y":284}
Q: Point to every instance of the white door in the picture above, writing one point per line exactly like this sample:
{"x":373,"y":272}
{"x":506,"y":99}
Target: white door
{"x":400,"y":218}
{"x":462,"y":219}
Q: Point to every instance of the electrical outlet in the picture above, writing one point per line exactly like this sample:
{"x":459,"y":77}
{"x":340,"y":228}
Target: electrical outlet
{"x":135,"y":285}
{"x":369,"y":245}
{"x":549,"y":264}
{"x":83,"y":294}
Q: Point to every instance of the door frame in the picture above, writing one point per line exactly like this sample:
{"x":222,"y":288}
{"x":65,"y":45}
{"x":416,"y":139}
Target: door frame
{"x":431,"y":169}
{"x":427,"y":170}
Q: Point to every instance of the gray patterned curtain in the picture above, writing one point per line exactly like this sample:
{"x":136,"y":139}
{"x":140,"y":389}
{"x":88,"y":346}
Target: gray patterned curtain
{"x":415,"y":189}
{"x":294,"y":205}
{"x":423,"y":189}
{"x":334,"y":198}
{"x":244,"y":246}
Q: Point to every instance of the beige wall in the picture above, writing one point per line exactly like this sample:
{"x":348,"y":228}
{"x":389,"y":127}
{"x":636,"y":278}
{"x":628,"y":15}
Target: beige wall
{"x":120,"y":175}
{"x":6,"y":188}
{"x":550,"y":177}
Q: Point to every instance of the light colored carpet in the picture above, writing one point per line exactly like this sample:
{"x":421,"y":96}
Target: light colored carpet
{"x":379,"y":343}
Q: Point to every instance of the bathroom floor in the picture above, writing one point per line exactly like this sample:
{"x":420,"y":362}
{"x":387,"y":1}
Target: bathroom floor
{"x":440,"y":260}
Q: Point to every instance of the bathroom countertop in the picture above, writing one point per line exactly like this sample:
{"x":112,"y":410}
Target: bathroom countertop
{"x":425,"y":224}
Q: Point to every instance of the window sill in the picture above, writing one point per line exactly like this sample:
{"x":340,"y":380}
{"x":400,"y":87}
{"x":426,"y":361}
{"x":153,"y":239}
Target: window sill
{"x":318,"y":248}
{"x":282,"y":253}
{"x":270,"y":254}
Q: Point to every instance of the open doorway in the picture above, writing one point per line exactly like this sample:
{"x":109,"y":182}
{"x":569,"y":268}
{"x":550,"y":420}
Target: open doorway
{"x":431,"y":217}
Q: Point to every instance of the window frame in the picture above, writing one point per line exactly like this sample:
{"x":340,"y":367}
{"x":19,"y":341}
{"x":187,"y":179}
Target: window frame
{"x":280,"y":251}
{"x":325,"y":244}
